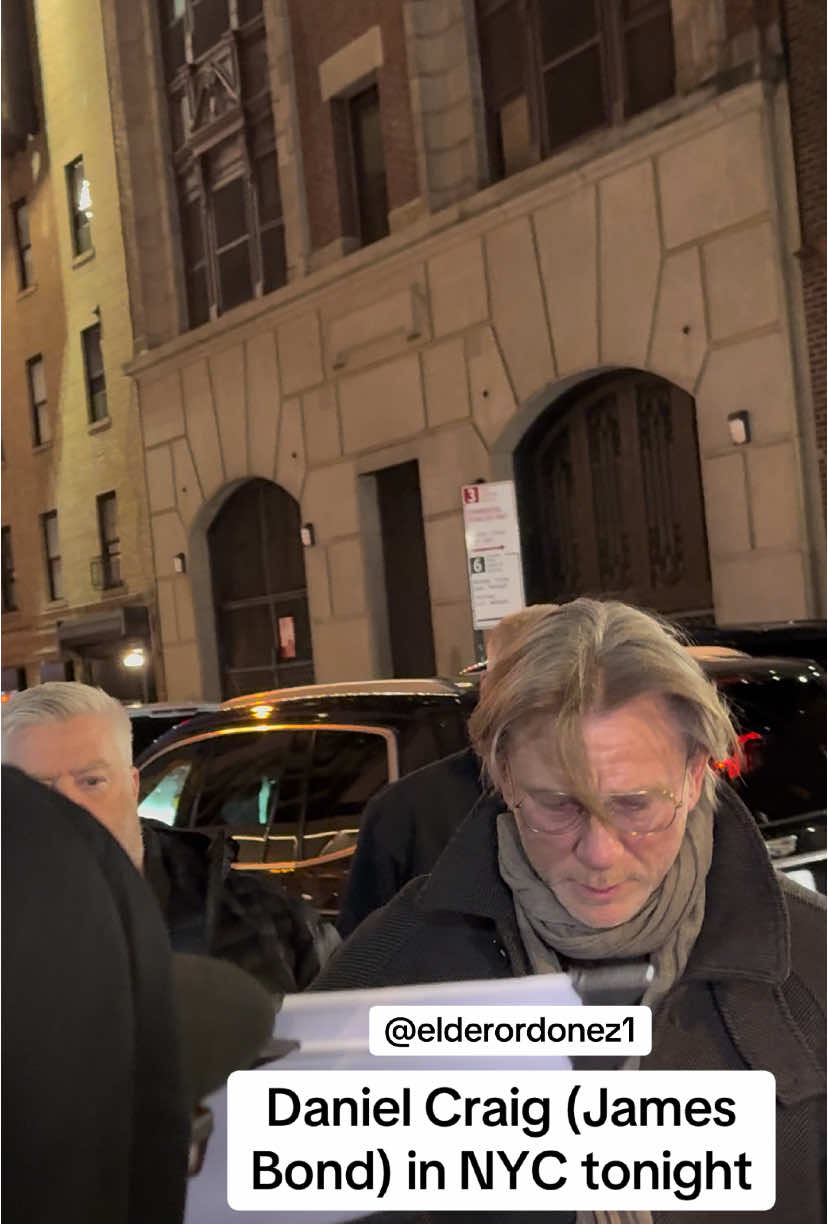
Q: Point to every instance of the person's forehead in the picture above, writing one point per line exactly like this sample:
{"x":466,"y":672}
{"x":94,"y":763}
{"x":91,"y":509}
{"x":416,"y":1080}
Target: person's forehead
{"x":641,"y":732}
{"x":84,"y":737}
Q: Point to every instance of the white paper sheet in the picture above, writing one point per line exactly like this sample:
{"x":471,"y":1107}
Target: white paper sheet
{"x":332,"y":1027}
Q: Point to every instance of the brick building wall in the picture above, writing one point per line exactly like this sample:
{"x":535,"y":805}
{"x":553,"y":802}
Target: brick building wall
{"x":320,"y":30}
{"x":804,"y":32}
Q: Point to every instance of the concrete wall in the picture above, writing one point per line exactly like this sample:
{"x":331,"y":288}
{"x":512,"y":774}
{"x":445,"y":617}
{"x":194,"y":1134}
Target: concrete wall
{"x":667,"y":253}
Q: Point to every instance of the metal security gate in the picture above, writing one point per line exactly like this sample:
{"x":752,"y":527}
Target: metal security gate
{"x":610,"y":498}
{"x":260,"y":591}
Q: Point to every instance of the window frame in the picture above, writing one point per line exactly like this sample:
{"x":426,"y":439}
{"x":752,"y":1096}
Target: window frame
{"x":91,"y":378}
{"x":230,"y":146}
{"x":110,"y":544}
{"x":53,"y":567}
{"x":24,"y":250}
{"x":191,"y":785}
{"x":9,"y":580}
{"x":80,"y":219}
{"x":612,"y":28}
{"x":39,"y":408}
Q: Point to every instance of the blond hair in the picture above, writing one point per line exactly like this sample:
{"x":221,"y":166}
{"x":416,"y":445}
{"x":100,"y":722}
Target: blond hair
{"x":590,"y":657}
{"x":57,"y":701}
{"x":509,"y":628}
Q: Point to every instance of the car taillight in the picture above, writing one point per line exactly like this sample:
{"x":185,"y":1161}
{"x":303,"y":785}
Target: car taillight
{"x":746,"y":761}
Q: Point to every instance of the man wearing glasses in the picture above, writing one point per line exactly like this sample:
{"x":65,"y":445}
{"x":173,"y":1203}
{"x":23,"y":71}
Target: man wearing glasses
{"x":614,"y":843}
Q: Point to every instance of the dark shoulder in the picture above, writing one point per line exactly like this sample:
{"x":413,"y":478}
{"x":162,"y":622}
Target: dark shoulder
{"x":372,"y":955}
{"x":806,"y":907}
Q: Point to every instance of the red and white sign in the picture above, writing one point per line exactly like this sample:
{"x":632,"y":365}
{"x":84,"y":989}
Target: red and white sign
{"x":287,"y":638}
{"x":495,"y":567}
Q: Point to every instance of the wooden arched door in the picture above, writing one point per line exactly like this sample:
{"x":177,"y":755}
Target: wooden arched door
{"x":610,"y":497}
{"x":259,"y":591}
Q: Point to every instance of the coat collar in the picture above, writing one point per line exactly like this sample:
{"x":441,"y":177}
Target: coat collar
{"x":745,"y":933}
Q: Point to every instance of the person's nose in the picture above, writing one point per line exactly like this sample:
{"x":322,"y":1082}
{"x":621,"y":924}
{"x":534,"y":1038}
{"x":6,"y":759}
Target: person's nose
{"x":599,"y":846}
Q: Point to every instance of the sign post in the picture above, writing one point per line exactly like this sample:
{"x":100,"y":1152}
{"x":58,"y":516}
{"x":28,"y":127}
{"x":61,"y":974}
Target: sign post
{"x":495,"y":566}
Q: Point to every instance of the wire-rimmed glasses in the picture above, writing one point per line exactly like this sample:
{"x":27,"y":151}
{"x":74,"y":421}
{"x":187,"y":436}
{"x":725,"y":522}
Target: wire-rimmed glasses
{"x":630,"y":814}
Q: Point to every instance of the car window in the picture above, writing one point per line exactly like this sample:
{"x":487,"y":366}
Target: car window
{"x":253,"y":784}
{"x":785,"y":774}
{"x":348,"y":768}
{"x":161,"y":788}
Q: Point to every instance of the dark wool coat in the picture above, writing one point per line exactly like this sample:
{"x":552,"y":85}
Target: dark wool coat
{"x":752,"y":994}
{"x":404,"y":830}
{"x":95,"y":1122}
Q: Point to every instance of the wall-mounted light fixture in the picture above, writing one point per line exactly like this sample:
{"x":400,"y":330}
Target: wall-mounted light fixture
{"x":739,"y":425}
{"x":180,"y":563}
{"x":307,"y":535}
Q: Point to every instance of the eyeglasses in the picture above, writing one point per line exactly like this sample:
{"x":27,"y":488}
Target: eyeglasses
{"x":631,"y":814}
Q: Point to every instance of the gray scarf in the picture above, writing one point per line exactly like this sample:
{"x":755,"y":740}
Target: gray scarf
{"x":664,"y":929}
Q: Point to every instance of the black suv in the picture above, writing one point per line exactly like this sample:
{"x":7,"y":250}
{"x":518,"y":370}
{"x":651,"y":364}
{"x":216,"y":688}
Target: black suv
{"x":288,"y":773}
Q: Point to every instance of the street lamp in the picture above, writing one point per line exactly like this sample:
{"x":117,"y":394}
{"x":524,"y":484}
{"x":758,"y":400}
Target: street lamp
{"x":135,"y":659}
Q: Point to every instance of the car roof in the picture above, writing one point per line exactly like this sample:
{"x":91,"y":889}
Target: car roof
{"x":425,"y":687}
{"x":169,"y":709}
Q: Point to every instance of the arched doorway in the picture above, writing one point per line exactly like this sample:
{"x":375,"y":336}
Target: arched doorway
{"x":259,"y":591}
{"x":610,"y":497}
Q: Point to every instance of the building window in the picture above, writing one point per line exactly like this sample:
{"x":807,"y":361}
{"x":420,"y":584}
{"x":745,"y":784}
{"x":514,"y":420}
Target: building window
{"x":95,"y":377}
{"x":554,"y":72}
{"x":9,"y":586}
{"x":41,"y":421}
{"x":224,"y":153}
{"x":25,"y":262}
{"x":365,"y":124}
{"x":51,"y":550}
{"x":80,"y":206}
{"x":110,"y":541}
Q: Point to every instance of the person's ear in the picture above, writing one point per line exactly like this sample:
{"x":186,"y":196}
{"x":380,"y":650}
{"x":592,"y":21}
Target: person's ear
{"x":696,"y":771}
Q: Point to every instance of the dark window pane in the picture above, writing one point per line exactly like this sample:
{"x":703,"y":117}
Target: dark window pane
{"x":650,"y":65}
{"x":55,"y":579}
{"x":369,"y":165}
{"x":564,"y":25}
{"x":210,"y":21}
{"x":198,"y":302}
{"x":229,"y":212}
{"x":502,"y":40}
{"x":574,"y":97}
{"x":9,"y":590}
{"x":349,"y":767}
{"x":172,"y":41}
{"x":274,"y":261}
{"x":235,"y":278}
{"x":267,"y":186}
{"x":254,"y":784}
{"x":248,"y":9}
{"x":191,"y":233}
{"x":236,"y":548}
{"x":247,"y":636}
{"x":254,"y":66}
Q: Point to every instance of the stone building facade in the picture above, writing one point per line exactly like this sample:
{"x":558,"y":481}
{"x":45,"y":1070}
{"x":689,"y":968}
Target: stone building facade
{"x":655,"y":251}
{"x":73,"y":600}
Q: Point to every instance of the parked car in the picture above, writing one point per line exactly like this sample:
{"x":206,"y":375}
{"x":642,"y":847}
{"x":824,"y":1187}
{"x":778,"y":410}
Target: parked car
{"x":155,"y":718}
{"x":289,"y":772}
{"x":786,"y":639}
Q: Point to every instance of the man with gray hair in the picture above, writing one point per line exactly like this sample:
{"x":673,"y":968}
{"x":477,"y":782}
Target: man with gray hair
{"x":609,"y":840}
{"x":78,"y":740}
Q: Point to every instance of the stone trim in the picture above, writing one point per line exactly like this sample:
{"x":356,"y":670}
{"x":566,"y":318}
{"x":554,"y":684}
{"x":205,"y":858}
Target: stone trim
{"x":343,"y":72}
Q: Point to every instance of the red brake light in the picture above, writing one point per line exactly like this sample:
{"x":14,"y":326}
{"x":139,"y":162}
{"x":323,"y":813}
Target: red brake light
{"x":743,"y":762}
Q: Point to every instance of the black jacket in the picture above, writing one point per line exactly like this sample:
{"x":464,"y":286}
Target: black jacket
{"x":95,"y":1120}
{"x":752,"y":994}
{"x":404,"y":830}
